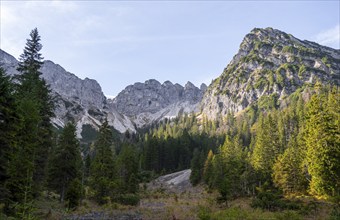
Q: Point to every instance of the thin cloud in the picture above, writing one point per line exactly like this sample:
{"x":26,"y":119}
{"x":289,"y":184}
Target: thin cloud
{"x":330,"y":37}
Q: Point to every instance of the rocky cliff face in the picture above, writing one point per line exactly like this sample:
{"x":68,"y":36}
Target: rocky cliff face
{"x":80,"y":100}
{"x":153,"y":101}
{"x":269,"y":62}
{"x":136,"y":106}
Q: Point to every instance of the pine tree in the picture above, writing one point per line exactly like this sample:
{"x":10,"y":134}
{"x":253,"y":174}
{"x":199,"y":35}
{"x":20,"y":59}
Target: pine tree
{"x":229,"y":169}
{"x":66,"y":162}
{"x":34,"y":90}
{"x":208,"y":169}
{"x":288,"y":172}
{"x":267,"y":146}
{"x":102,"y":172}
{"x":127,"y":167}
{"x":322,"y":141}
{"x":9,"y":126}
{"x":196,"y":169}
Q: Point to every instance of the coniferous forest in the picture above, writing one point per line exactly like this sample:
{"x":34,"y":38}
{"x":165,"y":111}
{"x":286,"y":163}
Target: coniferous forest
{"x":267,"y":153}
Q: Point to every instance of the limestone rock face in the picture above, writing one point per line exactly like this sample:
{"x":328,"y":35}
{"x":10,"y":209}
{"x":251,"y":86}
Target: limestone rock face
{"x":78,"y":100}
{"x":138,"y":105}
{"x":152,"y":97}
{"x":269,"y":63}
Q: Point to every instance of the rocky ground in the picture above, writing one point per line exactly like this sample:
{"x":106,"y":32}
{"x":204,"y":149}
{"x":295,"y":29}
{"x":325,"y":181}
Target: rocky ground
{"x":173,"y":183}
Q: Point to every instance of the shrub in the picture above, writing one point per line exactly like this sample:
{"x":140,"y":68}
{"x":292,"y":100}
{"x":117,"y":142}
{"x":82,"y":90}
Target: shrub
{"x":73,"y":194}
{"x":128,"y":199}
{"x":204,"y":213}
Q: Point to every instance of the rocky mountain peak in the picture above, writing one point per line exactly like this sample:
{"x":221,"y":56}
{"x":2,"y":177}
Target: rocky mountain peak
{"x":6,"y":58}
{"x":152,"y":96}
{"x":203,"y":87}
{"x":270,"y":63}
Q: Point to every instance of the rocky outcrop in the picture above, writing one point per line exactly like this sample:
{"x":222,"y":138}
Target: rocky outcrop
{"x":152,"y":101}
{"x":137,"y":105}
{"x":152,"y":96}
{"x":269,"y":63}
{"x":81,"y":101}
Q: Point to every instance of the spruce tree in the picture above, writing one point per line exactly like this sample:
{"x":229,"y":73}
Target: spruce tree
{"x":267,"y":146}
{"x":322,"y":142}
{"x":33,"y":90}
{"x":127,"y":168}
{"x":196,"y":168}
{"x":287,"y":170}
{"x":66,"y":163}
{"x":9,"y":126}
{"x":208,"y":169}
{"x":103,"y":176}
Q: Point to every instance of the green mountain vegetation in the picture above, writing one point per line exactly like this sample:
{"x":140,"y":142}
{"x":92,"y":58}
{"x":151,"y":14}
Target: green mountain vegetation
{"x":281,"y":158}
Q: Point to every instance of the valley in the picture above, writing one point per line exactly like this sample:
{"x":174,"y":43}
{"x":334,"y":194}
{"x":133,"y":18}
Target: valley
{"x":260,"y":142}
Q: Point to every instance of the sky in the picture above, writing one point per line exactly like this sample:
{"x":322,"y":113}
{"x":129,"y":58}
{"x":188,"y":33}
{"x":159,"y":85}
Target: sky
{"x":119,"y":43}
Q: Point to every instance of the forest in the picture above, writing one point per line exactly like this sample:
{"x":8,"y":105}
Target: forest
{"x":268,"y":152}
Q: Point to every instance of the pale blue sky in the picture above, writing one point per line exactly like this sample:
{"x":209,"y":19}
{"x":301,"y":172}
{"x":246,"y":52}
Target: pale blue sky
{"x":122,"y":42}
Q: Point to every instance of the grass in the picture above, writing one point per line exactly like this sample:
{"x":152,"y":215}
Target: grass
{"x":194,"y":204}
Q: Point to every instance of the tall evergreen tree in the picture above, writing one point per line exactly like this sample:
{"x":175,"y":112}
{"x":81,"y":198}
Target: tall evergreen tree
{"x":9,"y":126}
{"x":33,"y":89}
{"x":102,"y":173}
{"x":267,"y":146}
{"x":66,"y":163}
{"x":229,"y":169}
{"x":287,"y":170}
{"x":127,"y":168}
{"x":196,"y":168}
{"x":322,"y":142}
{"x":208,"y":169}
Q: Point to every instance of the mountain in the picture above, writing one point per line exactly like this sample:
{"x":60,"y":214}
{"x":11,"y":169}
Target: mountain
{"x":269,"y":64}
{"x":152,"y":101}
{"x":80,"y":100}
{"x":272,"y":64}
{"x":136,"y":106}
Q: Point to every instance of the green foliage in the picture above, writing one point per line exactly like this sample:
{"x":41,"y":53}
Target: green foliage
{"x":287,"y":171}
{"x":208,"y":174}
{"x":74,"y":193}
{"x":267,"y":145}
{"x":302,"y":70}
{"x":35,"y":106}
{"x":289,"y":49}
{"x":228,"y":166}
{"x":272,"y":200}
{"x":88,"y":133}
{"x":128,"y":199}
{"x":103,"y":176}
{"x":268,"y":102}
{"x":127,"y":168}
{"x":9,"y":125}
{"x":280,"y":76}
{"x":335,"y":213}
{"x":196,"y":168}
{"x":322,"y":142}
{"x":261,"y":83}
{"x":326,"y":61}
{"x":204,"y":213}
{"x":65,"y":163}
{"x":257,"y":214}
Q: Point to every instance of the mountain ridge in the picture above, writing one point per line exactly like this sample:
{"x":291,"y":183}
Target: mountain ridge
{"x":269,"y":62}
{"x":82,"y":100}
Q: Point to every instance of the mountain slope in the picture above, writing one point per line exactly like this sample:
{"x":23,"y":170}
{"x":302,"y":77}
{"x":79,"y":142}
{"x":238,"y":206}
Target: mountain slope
{"x":152,"y":101}
{"x":79,"y":100}
{"x":137,"y":105}
{"x":269,"y":62}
